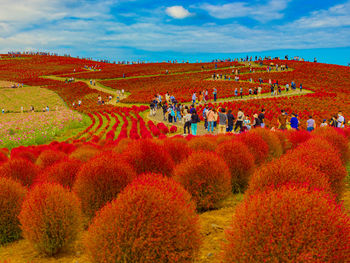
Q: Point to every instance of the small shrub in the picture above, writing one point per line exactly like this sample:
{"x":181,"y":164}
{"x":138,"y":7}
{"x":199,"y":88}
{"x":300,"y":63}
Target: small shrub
{"x":272,"y":140}
{"x":240,"y":162}
{"x":49,"y":157}
{"x":152,"y":220}
{"x":177,"y":149}
{"x":3,"y":158}
{"x":50,"y":218}
{"x":11,"y":198}
{"x":147,"y":156}
{"x":62,"y":173}
{"x":20,"y":170}
{"x":100,"y":180}
{"x":297,"y":137}
{"x":203,"y":143}
{"x":256,"y":145}
{"x":84,"y":153}
{"x":289,"y":224}
{"x":206,"y":176}
{"x":284,"y":171}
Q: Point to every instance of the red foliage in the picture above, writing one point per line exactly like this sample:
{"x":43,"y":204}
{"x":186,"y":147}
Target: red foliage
{"x":284,"y":171}
{"x":23,"y":153}
{"x":152,"y":220}
{"x":3,"y":158}
{"x":49,"y":157}
{"x":203,"y":143}
{"x":177,"y":148}
{"x":100,"y":180}
{"x":19,"y":170}
{"x":84,"y":153}
{"x":50,"y":218}
{"x":149,"y":157}
{"x":173,"y":129}
{"x":206,"y":176}
{"x":288,"y":225}
{"x":240,"y":162}
{"x":63,"y":173}
{"x":272,"y":140}
{"x":11,"y":197}
{"x":257,"y":146}
{"x":297,"y":137}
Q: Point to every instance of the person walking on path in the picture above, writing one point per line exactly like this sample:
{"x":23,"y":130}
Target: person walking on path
{"x":230,"y":120}
{"x":341,"y":120}
{"x":222,"y":121}
{"x":204,"y":114}
{"x":239,"y":122}
{"x":301,"y":87}
{"x":241,"y":92}
{"x":211,"y":119}
{"x":262,"y":118}
{"x":194,"y":98}
{"x":282,"y":121}
{"x":311,"y":125}
{"x":194,"y":122}
{"x":187,"y":120}
{"x":256,"y":122}
{"x":236,"y":92}
{"x":215,"y":93}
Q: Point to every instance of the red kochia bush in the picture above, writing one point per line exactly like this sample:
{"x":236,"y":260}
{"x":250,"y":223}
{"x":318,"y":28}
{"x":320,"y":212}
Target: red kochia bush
{"x":203,"y":143}
{"x":256,"y":145}
{"x":147,"y":156}
{"x":206,"y":176}
{"x":272,"y":140}
{"x":290,"y":224}
{"x":240,"y":162}
{"x":84,"y":153}
{"x":23,"y":153}
{"x":50,"y":218}
{"x":63,"y":173}
{"x":173,"y":129}
{"x":339,"y":141}
{"x":152,"y":220}
{"x":177,"y":148}
{"x":318,"y":154}
{"x":283,"y":171}
{"x":49,"y":157}
{"x":19,"y":170}
{"x":297,"y":137}
{"x":100,"y":180}
{"x":11,"y":197}
{"x":3,"y":158}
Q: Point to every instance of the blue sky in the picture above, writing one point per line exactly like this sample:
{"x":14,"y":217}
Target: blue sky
{"x":144,"y":29}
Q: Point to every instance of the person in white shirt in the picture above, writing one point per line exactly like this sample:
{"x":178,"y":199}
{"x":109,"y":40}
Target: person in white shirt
{"x":340,"y":120}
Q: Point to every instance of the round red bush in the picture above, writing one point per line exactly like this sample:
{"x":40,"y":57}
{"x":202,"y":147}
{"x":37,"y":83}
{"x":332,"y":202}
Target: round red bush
{"x":3,"y":158}
{"x":50,"y":218}
{"x":84,"y":153}
{"x":173,"y":129}
{"x":290,"y":224}
{"x":256,"y":145}
{"x":20,"y":170}
{"x":318,"y":154}
{"x":49,"y":157}
{"x":203,"y":143}
{"x":63,"y":173}
{"x":207,"y":178}
{"x":297,"y":137}
{"x":177,"y":148}
{"x":152,"y":220}
{"x":240,"y":162}
{"x":147,"y":156}
{"x":23,"y":153}
{"x":272,"y":140}
{"x":336,"y":139}
{"x":11,"y":198}
{"x":100,"y":180}
{"x":282,"y":136}
{"x":284,"y":171}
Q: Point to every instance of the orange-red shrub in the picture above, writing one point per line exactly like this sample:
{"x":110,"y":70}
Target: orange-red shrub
{"x":283,"y":171}
{"x":23,"y":153}
{"x":100,"y":180}
{"x":256,"y":145}
{"x":177,"y":149}
{"x":152,"y":220}
{"x":206,"y":176}
{"x":49,"y":157}
{"x":282,"y":136}
{"x":147,"y":156}
{"x":84,"y":153}
{"x":339,"y":141}
{"x":122,"y":145}
{"x":290,"y":224}
{"x":318,"y":154}
{"x":11,"y":197}
{"x":240,"y":162}
{"x":63,"y":173}
{"x":20,"y":170}
{"x":3,"y":158}
{"x":297,"y":137}
{"x":50,"y":218}
{"x":272,"y":140}
{"x":203,"y":143}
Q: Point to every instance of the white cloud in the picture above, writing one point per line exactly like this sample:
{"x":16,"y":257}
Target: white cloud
{"x":270,"y":11}
{"x":177,"y":12}
{"x":336,"y":16}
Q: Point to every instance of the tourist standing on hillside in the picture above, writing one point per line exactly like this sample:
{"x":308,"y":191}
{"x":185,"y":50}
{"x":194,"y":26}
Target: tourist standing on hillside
{"x":282,"y":121}
{"x":194,"y":97}
{"x":204,"y":115}
{"x":262,"y":118}
{"x":324,"y":123}
{"x":239,"y":122}
{"x":241,"y":92}
{"x":222,"y":121}
{"x":187,"y":120}
{"x":301,"y":87}
{"x":230,"y":120}
{"x":246,"y":123}
{"x":259,"y":91}
{"x":341,"y":120}
{"x":256,"y":121}
{"x":211,"y":119}
{"x":311,"y":125}
{"x":194,"y":120}
{"x":272,"y":88}
{"x":165,"y":109}
{"x":294,"y":122}
{"x":206,"y":95}
{"x":215,"y":93}
{"x":333,"y":121}
{"x":236,"y":92}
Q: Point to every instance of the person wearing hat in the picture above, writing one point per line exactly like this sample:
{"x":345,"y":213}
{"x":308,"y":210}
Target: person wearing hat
{"x":222,"y":120}
{"x":324,"y":123}
{"x":282,"y":121}
{"x":256,"y":121}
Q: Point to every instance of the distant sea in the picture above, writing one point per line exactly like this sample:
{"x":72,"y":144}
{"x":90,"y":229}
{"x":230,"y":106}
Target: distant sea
{"x":340,"y":56}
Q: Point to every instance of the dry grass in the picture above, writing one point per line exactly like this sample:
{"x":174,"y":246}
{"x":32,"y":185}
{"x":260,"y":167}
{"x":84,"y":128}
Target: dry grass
{"x":13,"y":99}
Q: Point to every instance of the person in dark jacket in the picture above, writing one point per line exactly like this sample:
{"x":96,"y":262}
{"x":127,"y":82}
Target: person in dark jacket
{"x":194,"y":120}
{"x":230,"y":120}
